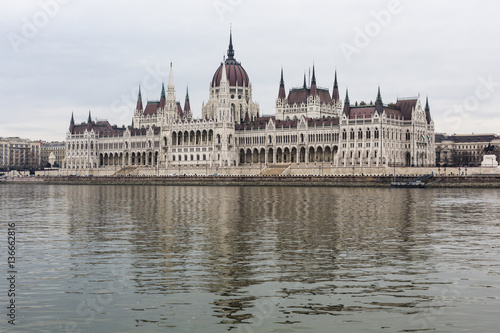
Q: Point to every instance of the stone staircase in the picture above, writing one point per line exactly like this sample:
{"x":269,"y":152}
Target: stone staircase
{"x":125,"y":171}
{"x":274,"y":170}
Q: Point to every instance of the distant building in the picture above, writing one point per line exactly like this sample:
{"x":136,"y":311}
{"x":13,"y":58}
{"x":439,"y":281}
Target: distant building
{"x":58,"y":148}
{"x":19,"y":154}
{"x":311,"y":125}
{"x":459,"y":150}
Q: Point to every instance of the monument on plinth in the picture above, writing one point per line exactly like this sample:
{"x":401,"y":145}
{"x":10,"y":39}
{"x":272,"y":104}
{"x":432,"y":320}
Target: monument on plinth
{"x":489,"y":160}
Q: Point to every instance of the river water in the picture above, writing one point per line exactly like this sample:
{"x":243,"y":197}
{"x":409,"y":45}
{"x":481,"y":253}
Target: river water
{"x":252,"y":259}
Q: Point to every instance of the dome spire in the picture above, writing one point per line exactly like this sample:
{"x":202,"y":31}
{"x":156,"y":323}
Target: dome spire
{"x":230,"y":50}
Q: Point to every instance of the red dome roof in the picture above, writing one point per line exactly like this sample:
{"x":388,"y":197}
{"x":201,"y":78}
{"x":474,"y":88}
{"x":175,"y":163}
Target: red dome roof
{"x":236,"y":74}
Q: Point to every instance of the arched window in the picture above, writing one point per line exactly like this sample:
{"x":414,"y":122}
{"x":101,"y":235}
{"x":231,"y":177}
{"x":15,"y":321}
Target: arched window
{"x":376,"y":133}
{"x":360,"y":134}
{"x":352,"y":134}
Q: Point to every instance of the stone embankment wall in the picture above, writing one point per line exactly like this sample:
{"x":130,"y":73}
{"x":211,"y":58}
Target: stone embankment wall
{"x":310,"y":169}
{"x":478,"y":181}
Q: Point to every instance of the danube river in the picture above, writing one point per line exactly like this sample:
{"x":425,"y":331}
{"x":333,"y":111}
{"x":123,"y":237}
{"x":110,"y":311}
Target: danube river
{"x":252,"y":259}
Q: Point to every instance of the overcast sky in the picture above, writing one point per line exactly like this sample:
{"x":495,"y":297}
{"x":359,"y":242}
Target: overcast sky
{"x":64,"y":56}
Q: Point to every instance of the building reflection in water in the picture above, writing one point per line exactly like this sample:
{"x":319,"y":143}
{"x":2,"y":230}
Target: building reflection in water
{"x":239,"y":244}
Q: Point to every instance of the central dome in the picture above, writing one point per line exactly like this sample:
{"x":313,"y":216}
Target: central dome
{"x":236,"y":74}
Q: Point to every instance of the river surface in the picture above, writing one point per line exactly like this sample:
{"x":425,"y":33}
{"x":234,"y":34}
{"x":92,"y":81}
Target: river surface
{"x":252,"y":259}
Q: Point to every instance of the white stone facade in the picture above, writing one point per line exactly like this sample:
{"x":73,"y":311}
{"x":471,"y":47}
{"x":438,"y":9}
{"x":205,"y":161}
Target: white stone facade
{"x":231,"y":132}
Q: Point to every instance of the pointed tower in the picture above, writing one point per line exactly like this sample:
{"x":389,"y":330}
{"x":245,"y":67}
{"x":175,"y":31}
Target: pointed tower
{"x":187,"y":106}
{"x":171,"y":102}
{"x":162,"y":97}
{"x":305,"y":84}
{"x":72,"y":124}
{"x":230,"y":50}
{"x":379,"y":105}
{"x":282,"y":93}
{"x":313,"y":92}
{"x":335,"y":92}
{"x":89,"y":122}
{"x":240,"y":100}
{"x":223,"y":103}
{"x":427,"y":110}
{"x":347,"y":104}
{"x":139,"y":107}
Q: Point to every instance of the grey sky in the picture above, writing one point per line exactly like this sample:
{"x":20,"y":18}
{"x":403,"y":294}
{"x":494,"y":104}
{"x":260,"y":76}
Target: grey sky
{"x":74,"y":56}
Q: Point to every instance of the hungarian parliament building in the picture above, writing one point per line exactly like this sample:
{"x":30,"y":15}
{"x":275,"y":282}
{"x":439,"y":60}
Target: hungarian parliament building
{"x":310,"y":125}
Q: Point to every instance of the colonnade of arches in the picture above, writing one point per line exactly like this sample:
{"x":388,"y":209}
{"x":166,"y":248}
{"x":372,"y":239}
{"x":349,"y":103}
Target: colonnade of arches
{"x":150,"y":158}
{"x":192,"y":137}
{"x":288,"y":155}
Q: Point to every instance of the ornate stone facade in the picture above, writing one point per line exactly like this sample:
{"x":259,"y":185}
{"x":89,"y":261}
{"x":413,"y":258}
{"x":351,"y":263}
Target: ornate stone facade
{"x":310,"y":126}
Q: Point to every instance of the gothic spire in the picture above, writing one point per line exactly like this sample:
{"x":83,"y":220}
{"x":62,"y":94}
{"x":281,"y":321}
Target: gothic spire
{"x":347,"y":104}
{"x":187,"y":106}
{"x":427,"y":111}
{"x":282,"y":93}
{"x":379,"y":106}
{"x":139,"y":101}
{"x":89,"y":122}
{"x":335,"y":92}
{"x":223,"y":79}
{"x":314,"y":92}
{"x":305,"y":85}
{"x":72,"y":124}
{"x":379,"y":97}
{"x":230,"y":50}
{"x":162,"y":98}
{"x":171,"y":76}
